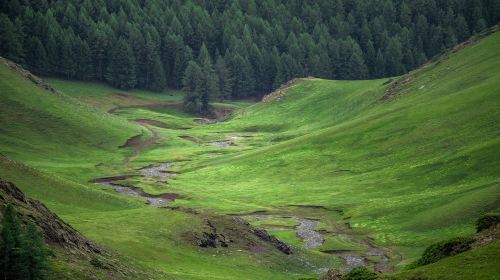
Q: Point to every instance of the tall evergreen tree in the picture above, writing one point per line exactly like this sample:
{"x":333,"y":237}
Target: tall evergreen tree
{"x":192,"y":83}
{"x":225,"y":80}
{"x":36,"y":57}
{"x":12,"y":259}
{"x":11,"y":44}
{"x":121,"y":68}
{"x":35,"y":253}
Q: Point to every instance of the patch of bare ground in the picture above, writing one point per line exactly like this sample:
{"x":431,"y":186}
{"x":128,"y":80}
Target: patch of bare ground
{"x":153,"y":123}
{"x":191,"y":138}
{"x":204,"y":121}
{"x":281,"y":91}
{"x":146,"y":104}
{"x":394,"y":89}
{"x":137,"y":144}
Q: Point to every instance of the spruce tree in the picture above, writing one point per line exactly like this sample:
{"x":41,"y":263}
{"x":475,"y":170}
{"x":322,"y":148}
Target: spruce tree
{"x":36,"y":57}
{"x":12,"y":259}
{"x":35,"y":253}
{"x":10,"y":40}
{"x":121,"y":68}
{"x":225,"y":81}
{"x":192,"y":83}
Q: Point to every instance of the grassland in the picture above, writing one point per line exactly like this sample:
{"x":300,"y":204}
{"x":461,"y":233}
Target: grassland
{"x":398,"y":174}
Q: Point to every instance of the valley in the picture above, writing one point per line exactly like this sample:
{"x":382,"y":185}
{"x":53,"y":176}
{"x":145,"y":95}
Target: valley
{"x":339,"y":173}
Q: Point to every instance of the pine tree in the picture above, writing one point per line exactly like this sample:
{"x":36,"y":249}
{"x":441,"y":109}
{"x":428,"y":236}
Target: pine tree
{"x":121,"y":68}
{"x":10,"y":40}
{"x":225,"y":81}
{"x":12,"y":259}
{"x":192,"y":83}
{"x":36,"y":57}
{"x":208,"y":88}
{"x":35,"y":252}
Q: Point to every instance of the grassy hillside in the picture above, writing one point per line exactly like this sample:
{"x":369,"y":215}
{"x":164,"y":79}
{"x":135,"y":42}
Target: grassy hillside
{"x":52,"y":144}
{"x":55,"y":132}
{"x":410,"y":170}
{"x":479,"y":263}
{"x":397,"y":173}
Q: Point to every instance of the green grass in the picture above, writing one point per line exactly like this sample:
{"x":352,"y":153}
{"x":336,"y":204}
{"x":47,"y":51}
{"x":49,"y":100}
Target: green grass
{"x":107,"y":97}
{"x":406,"y":172}
{"x":479,"y":263}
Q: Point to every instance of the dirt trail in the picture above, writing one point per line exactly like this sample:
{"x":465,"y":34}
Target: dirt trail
{"x":158,"y":171}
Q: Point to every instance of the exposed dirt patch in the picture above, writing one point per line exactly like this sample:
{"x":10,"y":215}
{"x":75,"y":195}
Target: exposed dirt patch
{"x":149,"y":105}
{"x":138,"y":144}
{"x":222,"y":114}
{"x":191,"y":138}
{"x":204,"y":121}
{"x":309,"y":206}
{"x":153,"y":123}
{"x":394,"y":89}
{"x":111,"y":179}
{"x":132,"y":142}
{"x":281,"y":92}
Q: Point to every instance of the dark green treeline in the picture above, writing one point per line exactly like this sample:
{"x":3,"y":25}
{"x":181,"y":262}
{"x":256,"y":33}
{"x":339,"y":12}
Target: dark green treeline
{"x":232,"y":48}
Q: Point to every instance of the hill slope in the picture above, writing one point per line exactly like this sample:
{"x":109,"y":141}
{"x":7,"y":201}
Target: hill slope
{"x":411,"y":170}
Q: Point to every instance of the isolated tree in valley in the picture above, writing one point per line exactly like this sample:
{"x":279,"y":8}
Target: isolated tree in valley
{"x":192,"y":82}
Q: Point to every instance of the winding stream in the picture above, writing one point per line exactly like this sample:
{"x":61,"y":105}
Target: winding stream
{"x":157,"y":171}
{"x":313,"y":239}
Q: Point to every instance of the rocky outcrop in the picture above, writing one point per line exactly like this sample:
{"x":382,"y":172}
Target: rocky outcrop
{"x":213,"y":239}
{"x":54,"y":230}
{"x":278,"y":244}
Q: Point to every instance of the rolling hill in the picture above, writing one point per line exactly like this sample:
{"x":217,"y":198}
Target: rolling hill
{"x":379,"y":169}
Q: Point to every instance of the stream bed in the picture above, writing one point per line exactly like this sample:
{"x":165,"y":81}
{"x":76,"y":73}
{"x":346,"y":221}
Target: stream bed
{"x":157,"y":171}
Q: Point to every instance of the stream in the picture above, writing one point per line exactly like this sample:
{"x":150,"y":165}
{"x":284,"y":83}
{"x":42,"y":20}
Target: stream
{"x":157,"y":171}
{"x":313,"y":239}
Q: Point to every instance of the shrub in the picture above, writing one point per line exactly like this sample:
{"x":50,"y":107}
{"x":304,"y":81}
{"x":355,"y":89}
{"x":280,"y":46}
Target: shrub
{"x":487,"y":221}
{"x":360,"y":273}
{"x":443,"y":249}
